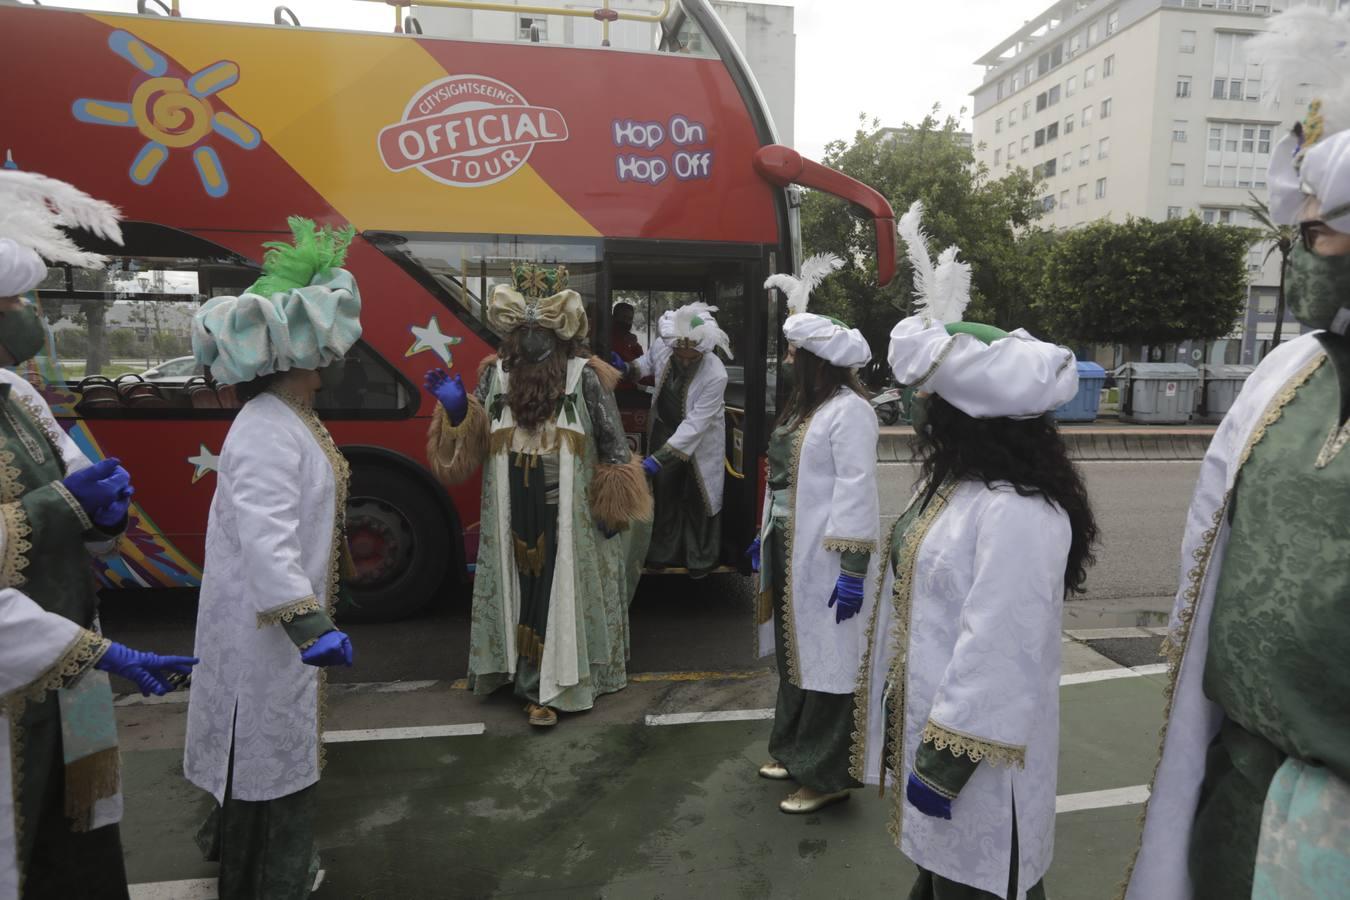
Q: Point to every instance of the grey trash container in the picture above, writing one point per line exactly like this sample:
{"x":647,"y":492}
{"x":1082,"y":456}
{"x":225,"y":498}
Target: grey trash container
{"x":1157,"y":393}
{"x":1222,"y":383}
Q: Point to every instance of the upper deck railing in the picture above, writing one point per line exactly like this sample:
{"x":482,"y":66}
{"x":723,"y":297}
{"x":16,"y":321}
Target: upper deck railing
{"x":603,"y":14}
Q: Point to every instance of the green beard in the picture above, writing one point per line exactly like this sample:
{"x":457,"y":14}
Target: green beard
{"x":1319,"y":290}
{"x":21,"y":333}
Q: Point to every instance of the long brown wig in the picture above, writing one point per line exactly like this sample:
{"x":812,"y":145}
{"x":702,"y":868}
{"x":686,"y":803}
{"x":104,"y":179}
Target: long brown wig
{"x":815,"y":381}
{"x":536,"y":389}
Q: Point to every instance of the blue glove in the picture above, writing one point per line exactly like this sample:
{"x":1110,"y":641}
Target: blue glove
{"x":98,"y":487}
{"x":617,"y":362}
{"x":114,"y":513}
{"x":926,"y":800}
{"x":651,"y":466}
{"x":333,"y":648}
{"x":451,"y":392}
{"x":149,"y":671}
{"x":847,"y":598}
{"x":753,"y":553}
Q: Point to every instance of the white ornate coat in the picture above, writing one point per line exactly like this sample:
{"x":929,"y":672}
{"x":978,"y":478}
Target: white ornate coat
{"x":834,"y":507}
{"x":39,"y":651}
{"x":702,"y":436}
{"x":966,"y":640}
{"x":1161,"y":869}
{"x":272,"y":552}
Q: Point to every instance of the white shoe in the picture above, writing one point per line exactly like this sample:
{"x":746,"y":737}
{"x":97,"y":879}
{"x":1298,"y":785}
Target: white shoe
{"x":797,"y":805}
{"x":774,"y":771}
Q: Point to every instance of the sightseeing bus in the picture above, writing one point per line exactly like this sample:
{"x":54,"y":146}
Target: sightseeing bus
{"x":654,"y":176}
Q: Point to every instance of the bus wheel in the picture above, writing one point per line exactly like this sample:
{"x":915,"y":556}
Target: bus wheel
{"x":399,"y":545}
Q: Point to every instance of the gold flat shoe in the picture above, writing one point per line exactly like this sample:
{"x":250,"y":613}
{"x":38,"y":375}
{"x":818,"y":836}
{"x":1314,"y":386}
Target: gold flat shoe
{"x":541,"y":716}
{"x":775,"y":771}
{"x":796,"y":805}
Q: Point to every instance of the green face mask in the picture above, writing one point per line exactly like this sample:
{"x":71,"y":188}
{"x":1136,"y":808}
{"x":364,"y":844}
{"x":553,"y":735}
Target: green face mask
{"x":21,"y":333}
{"x":1319,"y":290}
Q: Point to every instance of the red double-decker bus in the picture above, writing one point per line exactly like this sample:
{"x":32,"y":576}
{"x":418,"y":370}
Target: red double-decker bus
{"x":655,"y":177}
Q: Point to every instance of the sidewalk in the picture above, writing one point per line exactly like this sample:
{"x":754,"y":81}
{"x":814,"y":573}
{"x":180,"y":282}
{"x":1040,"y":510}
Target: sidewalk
{"x":1103,"y":440}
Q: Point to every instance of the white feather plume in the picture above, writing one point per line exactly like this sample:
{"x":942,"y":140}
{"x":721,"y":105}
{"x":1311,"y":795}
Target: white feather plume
{"x":707,"y":334}
{"x":950,"y":296}
{"x":1305,"y":52}
{"x":34,"y":208}
{"x":798,"y":290}
{"x":916,"y":246}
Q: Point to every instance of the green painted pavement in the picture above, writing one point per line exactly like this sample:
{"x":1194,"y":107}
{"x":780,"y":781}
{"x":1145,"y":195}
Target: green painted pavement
{"x":631,"y":811}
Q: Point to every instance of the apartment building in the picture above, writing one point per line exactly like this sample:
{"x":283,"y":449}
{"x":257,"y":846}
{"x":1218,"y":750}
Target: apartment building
{"x":1145,"y":108}
{"x":764,"y":32}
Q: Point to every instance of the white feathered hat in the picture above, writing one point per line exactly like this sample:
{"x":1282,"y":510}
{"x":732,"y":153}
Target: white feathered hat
{"x":983,"y":371}
{"x":828,"y":338}
{"x":693,"y":326}
{"x":1306,"y":53}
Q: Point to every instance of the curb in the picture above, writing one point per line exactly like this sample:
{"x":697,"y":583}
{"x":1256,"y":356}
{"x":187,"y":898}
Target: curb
{"x":895,"y":445}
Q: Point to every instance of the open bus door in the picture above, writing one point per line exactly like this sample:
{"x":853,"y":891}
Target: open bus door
{"x":654,"y":277}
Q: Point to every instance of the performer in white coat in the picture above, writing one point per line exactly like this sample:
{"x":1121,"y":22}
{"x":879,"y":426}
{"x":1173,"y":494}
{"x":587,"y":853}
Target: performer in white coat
{"x":60,"y":783}
{"x":687,"y":463}
{"x":1251,"y":797}
{"x":274,"y":547}
{"x":958,"y":699}
{"x":816,"y":557}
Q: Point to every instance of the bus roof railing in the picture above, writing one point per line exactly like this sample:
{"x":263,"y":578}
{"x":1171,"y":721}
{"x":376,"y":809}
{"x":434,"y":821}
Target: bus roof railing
{"x":784,"y":166}
{"x":603,"y":13}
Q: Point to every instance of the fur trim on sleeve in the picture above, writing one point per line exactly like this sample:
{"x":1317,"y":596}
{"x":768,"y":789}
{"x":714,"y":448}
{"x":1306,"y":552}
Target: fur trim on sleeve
{"x":455,"y":452}
{"x":620,"y":495}
{"x":608,"y":375}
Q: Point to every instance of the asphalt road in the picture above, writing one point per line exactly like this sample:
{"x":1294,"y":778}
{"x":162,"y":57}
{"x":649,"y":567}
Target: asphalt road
{"x":683,"y":626}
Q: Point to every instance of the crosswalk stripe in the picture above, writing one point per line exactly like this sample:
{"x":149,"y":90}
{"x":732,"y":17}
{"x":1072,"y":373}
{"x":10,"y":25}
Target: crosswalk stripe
{"x":403,"y":734}
{"x":721,"y":715}
{"x":1126,"y":796}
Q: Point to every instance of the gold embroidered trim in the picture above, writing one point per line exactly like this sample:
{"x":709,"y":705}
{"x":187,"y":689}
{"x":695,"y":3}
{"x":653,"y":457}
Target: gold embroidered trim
{"x":307,"y":644}
{"x":30,"y":443}
{"x":14,"y":711}
{"x":289,"y":612}
{"x":41,"y":418}
{"x":75,"y":505}
{"x":11,"y":488}
{"x":500,"y":440}
{"x":850,"y":545}
{"x":935,"y":788}
{"x":529,"y":645}
{"x":14,"y":558}
{"x":1336,"y":441}
{"x":976,"y":749}
{"x":86,"y":649}
{"x":789,"y":614}
{"x":862,"y":692}
{"x":342,"y":474}
{"x":1178,"y":640}
{"x":530,"y":560}
{"x":938,"y":361}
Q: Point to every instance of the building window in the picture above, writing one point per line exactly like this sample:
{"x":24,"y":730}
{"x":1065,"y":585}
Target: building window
{"x":998,"y":125}
{"x":1053,"y":95}
{"x":1173,"y":212}
{"x":529,"y":25}
{"x":1106,"y":108}
{"x":1101,"y":189}
{"x":1179,"y":131}
{"x":1237,"y":154}
{"x":1064,"y":199}
{"x":1263,"y":145}
{"x":1087,"y":116}
{"x":1094,"y":33}
{"x":1234,"y":77}
{"x":1184,"y":86}
{"x":1075,"y":44}
{"x":1051,"y":168}
{"x":1109,"y":66}
{"x":1026,"y":143}
{"x":1069,"y":123}
{"x":1176,"y":174}
{"x":1090,"y":76}
{"x":1048,"y":203}
{"x":1012,"y":116}
{"x":1082,"y":194}
{"x":998,"y":157}
{"x":1112,"y":22}
{"x":1104,"y":148}
{"x":1002,"y":88}
{"x":1040,"y":137}
{"x":1026,"y":110}
{"x":1188,"y":42}
{"x":1051,"y":132}
{"x":1017,"y":82}
{"x":1085,"y":155}
{"x":1066,"y":163}
{"x":1071,"y":86}
{"x":1012,"y":151}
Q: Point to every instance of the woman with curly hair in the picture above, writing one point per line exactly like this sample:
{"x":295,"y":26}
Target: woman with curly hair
{"x":958,"y":698}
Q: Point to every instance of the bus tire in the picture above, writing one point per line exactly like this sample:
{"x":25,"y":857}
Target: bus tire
{"x":400,"y":544}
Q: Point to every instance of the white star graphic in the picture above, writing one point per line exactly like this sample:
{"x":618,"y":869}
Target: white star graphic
{"x":205,"y":461}
{"x":431,"y":338}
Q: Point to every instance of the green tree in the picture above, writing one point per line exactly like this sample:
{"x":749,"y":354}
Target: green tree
{"x":989,"y":219}
{"x":1281,"y":239}
{"x":1145,"y":282}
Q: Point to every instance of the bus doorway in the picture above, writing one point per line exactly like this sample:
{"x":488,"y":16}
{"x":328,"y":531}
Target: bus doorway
{"x":642,"y":283}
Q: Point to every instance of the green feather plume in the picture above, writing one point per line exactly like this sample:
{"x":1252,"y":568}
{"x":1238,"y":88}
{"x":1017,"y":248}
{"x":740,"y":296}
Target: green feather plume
{"x":315,"y":251}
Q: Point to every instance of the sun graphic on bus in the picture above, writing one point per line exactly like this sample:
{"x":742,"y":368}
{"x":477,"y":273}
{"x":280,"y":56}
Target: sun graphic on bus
{"x":172,"y":114}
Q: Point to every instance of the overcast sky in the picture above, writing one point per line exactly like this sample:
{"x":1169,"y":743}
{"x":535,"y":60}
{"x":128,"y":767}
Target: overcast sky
{"x":889,"y":58}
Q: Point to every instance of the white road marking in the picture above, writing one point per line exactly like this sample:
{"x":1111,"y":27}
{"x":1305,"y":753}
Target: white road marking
{"x":196,"y":889}
{"x":721,"y":715}
{"x":1112,"y":674}
{"x":1126,"y":796}
{"x":377,"y":687}
{"x":403,"y":734}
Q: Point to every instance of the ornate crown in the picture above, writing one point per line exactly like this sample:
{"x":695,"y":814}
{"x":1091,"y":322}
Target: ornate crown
{"x":536,"y":282}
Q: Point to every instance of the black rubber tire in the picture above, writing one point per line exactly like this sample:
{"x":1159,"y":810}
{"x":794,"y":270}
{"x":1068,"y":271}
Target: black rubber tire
{"x":412,"y":588}
{"x":889,"y":413}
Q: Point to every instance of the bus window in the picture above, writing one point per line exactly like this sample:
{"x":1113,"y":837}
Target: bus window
{"x":463,"y":270}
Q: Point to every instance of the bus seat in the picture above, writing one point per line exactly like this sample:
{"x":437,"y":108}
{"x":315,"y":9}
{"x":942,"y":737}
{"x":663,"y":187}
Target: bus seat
{"x":202,"y":396}
{"x":227,"y":396}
